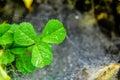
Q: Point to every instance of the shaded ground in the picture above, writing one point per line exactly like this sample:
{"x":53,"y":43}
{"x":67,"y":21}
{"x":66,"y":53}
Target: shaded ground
{"x":82,"y":49}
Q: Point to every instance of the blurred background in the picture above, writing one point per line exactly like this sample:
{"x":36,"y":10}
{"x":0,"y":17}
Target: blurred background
{"x":105,"y":12}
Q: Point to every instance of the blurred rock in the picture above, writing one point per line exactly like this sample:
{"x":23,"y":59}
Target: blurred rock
{"x":82,"y":48}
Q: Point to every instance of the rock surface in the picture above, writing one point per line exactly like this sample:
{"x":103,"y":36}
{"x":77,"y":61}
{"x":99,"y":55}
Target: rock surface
{"x":82,"y":49}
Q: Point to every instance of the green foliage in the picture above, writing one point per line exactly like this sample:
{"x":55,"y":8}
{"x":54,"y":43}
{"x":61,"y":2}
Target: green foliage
{"x":41,"y":55}
{"x":24,"y":34}
{"x":23,"y":63}
{"x":54,"y":32}
{"x":21,"y":44}
{"x":5,"y":34}
{"x":6,"y":58}
{"x":18,"y":50}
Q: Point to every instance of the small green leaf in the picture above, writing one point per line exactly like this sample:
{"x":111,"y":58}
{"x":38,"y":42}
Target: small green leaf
{"x":28,"y":29}
{"x":41,"y":56}
{"x":54,"y":32}
{"x":6,"y":57}
{"x":6,"y":35}
{"x":46,"y":45}
{"x":14,"y":27}
{"x":25,"y":34}
{"x":23,"y":63}
{"x":7,"y":38}
{"x":18,"y":50}
{"x":4,"y":28}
